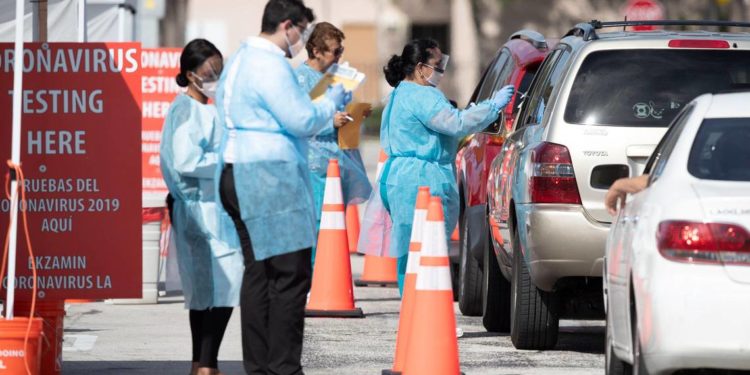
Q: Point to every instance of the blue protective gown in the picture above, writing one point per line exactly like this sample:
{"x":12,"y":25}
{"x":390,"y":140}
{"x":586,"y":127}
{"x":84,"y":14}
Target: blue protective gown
{"x":208,"y":250}
{"x":269,"y":118}
{"x":420,"y":132}
{"x":324,"y":146}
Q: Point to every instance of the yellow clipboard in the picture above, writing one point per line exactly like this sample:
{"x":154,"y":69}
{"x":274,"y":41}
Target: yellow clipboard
{"x":343,"y":74}
{"x":349,"y":133}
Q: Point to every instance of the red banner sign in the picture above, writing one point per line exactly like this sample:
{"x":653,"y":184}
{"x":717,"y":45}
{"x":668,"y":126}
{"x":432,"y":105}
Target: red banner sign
{"x":159,"y":67}
{"x":79,"y":152}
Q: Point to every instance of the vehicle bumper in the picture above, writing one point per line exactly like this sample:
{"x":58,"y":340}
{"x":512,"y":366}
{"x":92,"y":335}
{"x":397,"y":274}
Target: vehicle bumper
{"x":560,"y":240}
{"x":692,"y":316}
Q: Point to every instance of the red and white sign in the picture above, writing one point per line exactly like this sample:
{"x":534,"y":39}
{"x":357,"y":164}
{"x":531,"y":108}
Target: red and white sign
{"x":159,"y":67}
{"x":80,"y":151}
{"x":644,"y":10}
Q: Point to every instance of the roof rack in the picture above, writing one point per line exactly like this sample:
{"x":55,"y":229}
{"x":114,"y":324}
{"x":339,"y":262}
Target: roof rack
{"x":587,"y":30}
{"x":535,"y":38}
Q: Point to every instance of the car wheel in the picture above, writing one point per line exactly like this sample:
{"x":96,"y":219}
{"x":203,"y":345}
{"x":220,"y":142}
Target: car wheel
{"x":495,"y":295}
{"x":612,"y":364}
{"x":534,"y":318}
{"x":469,"y":275}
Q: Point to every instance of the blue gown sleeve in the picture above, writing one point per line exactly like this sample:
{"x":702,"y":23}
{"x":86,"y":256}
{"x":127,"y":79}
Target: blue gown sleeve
{"x":292,"y":107}
{"x":307,"y":81}
{"x":439,"y":115}
{"x":189,"y":146}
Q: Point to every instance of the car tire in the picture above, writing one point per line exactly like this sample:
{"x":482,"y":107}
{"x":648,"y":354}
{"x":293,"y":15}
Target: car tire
{"x":495,"y":295}
{"x":469,"y":275}
{"x":534,"y":318}
{"x":612,"y":364}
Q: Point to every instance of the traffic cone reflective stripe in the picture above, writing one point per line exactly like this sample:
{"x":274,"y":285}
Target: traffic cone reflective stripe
{"x":410,"y":280}
{"x":433,"y":346}
{"x":332,"y":293}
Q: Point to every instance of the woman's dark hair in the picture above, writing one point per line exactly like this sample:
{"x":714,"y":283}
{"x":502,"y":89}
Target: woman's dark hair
{"x":193,"y":56}
{"x":415,"y":52}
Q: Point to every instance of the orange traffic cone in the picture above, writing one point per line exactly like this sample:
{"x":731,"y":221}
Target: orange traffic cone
{"x":352,"y":227}
{"x":410,"y":281}
{"x":379,"y":271}
{"x":433,"y":347}
{"x":332,"y":292}
{"x":455,"y":236}
{"x":382,"y":157}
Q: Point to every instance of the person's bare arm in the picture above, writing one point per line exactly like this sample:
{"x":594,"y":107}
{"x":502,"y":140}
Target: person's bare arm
{"x":620,"y":189}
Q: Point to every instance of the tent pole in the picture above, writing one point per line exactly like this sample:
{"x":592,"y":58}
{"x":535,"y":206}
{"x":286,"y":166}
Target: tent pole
{"x":15,"y":157}
{"x":82,"y":30}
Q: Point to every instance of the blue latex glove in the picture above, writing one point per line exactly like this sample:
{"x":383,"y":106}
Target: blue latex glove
{"x":339,"y":96}
{"x":502,"y":97}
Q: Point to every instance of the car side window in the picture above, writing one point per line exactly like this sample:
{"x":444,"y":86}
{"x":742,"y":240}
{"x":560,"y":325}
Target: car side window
{"x":488,"y":84}
{"x":658,"y":160}
{"x":542,"y":84}
{"x":504,"y":73}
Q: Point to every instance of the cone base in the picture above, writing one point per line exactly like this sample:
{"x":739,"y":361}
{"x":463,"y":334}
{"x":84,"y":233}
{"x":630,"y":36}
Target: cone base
{"x":383,"y":283}
{"x":354,"y":313}
{"x":391,"y":372}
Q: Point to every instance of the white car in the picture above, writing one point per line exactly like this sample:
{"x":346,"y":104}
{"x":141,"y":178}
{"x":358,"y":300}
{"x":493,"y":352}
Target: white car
{"x":677,"y":263}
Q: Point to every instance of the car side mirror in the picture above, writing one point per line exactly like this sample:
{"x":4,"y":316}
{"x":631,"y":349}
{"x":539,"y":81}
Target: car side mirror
{"x":497,"y":127}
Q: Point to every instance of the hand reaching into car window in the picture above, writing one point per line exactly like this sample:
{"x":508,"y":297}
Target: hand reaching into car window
{"x":620,"y":189}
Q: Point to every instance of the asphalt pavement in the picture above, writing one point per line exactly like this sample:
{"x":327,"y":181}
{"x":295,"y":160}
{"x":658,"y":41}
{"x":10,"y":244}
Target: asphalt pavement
{"x":106,"y":338}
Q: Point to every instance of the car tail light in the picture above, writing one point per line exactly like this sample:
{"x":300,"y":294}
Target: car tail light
{"x":553,"y":180}
{"x":693,"y":242}
{"x":698,"y":43}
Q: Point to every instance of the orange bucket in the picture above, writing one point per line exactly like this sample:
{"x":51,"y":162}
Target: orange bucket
{"x":12,"y":351}
{"x":53,"y":314}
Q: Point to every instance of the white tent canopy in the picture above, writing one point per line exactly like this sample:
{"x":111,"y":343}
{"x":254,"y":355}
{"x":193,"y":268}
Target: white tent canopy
{"x":106,"y":20}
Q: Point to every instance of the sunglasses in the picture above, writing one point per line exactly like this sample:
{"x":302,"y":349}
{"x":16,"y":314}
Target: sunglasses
{"x":338,"y":51}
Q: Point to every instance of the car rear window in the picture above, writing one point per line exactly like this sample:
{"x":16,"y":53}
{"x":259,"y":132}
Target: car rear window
{"x":647,"y":88}
{"x":721,"y":150}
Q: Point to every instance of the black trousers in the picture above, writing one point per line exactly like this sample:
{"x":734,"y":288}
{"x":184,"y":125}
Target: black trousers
{"x":272,"y":299}
{"x":207,"y":328}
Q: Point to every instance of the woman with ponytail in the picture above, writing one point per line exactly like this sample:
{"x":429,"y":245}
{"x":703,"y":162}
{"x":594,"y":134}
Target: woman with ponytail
{"x":208,"y":253}
{"x":420,"y":131}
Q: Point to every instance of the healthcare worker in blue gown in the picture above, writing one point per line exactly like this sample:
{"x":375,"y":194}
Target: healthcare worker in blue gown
{"x":325,"y":49}
{"x":420,"y":131}
{"x":265,"y":183}
{"x":208,"y":253}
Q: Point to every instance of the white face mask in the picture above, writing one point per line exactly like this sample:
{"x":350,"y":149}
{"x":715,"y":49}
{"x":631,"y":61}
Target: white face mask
{"x":206,"y":88}
{"x":209,"y":89}
{"x":438,"y":72}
